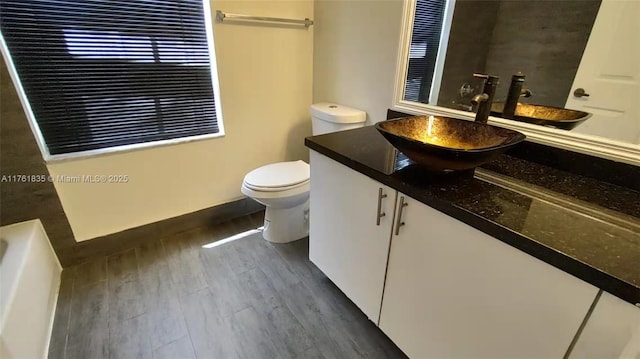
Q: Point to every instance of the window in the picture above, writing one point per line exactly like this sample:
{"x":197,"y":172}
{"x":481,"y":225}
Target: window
{"x":102,"y":74}
{"x":423,"y":51}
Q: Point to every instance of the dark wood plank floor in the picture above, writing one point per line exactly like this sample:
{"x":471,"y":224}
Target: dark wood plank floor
{"x":173,"y":298}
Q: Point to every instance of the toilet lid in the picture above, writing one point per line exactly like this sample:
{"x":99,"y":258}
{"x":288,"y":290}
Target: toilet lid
{"x":282,"y":174}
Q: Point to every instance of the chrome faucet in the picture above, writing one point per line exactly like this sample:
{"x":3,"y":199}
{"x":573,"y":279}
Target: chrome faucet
{"x":482,"y":102}
{"x":515,"y":92}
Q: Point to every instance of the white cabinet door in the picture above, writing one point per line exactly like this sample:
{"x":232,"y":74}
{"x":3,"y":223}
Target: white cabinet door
{"x":612,"y":331}
{"x":455,"y":292}
{"x":345,"y":241}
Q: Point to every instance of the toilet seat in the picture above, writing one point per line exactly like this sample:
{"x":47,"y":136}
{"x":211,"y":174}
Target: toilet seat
{"x":278,"y":177}
{"x":275,"y":189}
{"x":288,"y":192}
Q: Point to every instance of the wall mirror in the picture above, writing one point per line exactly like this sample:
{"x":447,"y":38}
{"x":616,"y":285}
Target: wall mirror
{"x":576,"y":54}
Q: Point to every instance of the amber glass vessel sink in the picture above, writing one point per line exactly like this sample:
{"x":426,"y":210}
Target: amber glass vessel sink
{"x":447,"y":144}
{"x":544,"y":115}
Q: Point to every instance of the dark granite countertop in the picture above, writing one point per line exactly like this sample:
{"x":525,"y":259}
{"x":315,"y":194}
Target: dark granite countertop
{"x":586,"y":227}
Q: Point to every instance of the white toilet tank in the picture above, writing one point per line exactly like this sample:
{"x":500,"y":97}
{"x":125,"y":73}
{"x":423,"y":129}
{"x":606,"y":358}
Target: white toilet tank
{"x":330,"y":117}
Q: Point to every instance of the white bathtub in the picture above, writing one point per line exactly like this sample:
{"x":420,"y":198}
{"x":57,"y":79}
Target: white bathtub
{"x":29,"y":284}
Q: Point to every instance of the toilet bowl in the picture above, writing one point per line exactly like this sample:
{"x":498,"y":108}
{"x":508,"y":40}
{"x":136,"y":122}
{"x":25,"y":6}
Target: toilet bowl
{"x":284,"y":187}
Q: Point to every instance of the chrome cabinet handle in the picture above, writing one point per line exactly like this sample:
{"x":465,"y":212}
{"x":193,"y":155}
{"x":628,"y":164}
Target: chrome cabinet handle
{"x":580,"y":92}
{"x":399,"y":222}
{"x":380,"y":214}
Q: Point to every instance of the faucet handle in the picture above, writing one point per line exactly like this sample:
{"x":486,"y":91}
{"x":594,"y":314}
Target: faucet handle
{"x":488,"y":78}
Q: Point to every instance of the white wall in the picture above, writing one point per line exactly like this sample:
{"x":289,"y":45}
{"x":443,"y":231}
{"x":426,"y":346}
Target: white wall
{"x":355,"y":49}
{"x":266,"y":83}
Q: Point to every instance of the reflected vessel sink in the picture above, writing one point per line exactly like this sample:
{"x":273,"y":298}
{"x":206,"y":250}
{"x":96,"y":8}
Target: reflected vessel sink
{"x":543,"y":115}
{"x":447,"y":144}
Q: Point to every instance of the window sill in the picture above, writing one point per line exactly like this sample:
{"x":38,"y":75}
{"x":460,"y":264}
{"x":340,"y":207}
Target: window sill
{"x":50,"y":159}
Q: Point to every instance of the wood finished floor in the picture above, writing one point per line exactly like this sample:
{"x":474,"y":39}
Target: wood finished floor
{"x":244,"y":299}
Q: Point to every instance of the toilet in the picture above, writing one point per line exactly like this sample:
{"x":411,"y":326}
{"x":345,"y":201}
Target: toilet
{"x":283,"y":187}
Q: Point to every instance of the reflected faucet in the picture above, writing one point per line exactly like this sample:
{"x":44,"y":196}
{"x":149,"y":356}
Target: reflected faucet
{"x":482,"y":102}
{"x":515,"y":92}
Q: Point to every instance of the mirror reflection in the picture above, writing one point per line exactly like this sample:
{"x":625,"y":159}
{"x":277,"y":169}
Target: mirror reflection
{"x":568,"y":64}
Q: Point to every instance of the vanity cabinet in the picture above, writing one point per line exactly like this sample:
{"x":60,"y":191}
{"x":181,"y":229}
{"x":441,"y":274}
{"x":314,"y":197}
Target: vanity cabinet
{"x":349,"y":230}
{"x":612,"y":331}
{"x":454,"y":292}
{"x":440,"y":288}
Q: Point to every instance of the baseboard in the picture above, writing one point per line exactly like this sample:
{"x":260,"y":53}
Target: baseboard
{"x":134,"y":237}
